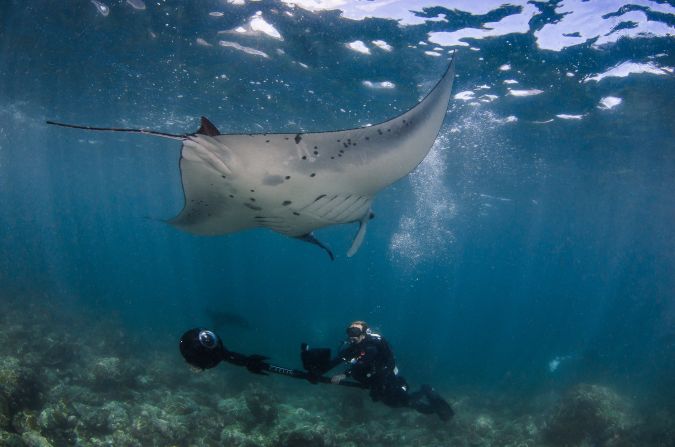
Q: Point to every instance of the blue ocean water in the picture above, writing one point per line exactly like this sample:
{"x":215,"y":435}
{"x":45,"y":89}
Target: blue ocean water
{"x":532,"y":249}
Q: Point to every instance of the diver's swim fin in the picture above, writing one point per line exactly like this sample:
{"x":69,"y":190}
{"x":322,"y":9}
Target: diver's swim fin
{"x":442,"y":409}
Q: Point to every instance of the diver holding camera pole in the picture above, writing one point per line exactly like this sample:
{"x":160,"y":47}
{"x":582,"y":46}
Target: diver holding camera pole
{"x":203,"y":349}
{"x":371,"y":365}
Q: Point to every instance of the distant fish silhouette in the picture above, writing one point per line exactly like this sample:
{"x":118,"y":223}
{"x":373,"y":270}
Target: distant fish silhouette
{"x":295,"y":183}
{"x":221,"y":319}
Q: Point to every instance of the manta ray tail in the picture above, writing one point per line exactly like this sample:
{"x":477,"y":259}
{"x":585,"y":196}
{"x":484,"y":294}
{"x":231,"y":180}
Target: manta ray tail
{"x":309,"y":237}
{"x":118,"y":129}
{"x":206,"y":128}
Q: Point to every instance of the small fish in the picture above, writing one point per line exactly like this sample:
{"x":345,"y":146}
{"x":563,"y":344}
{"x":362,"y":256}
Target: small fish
{"x":554,"y":364}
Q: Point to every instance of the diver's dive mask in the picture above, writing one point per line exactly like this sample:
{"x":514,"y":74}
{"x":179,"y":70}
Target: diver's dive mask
{"x":355,"y":331}
{"x":202,"y":348}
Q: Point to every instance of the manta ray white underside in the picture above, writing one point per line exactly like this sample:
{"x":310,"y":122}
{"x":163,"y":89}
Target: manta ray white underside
{"x":295,"y":183}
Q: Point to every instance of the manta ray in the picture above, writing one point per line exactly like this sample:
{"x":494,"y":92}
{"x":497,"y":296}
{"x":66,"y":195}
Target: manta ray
{"x":295,"y":183}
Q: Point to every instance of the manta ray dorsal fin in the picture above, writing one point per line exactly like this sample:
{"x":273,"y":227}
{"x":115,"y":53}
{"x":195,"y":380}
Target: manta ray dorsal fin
{"x":360,"y":235}
{"x":207,"y":128}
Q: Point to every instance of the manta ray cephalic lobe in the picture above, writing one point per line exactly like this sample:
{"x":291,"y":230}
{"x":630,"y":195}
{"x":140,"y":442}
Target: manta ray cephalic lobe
{"x":295,"y":183}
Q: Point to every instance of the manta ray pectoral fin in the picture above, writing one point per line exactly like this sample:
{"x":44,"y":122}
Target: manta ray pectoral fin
{"x":309,"y":237}
{"x":207,"y":128}
{"x":360,"y":235}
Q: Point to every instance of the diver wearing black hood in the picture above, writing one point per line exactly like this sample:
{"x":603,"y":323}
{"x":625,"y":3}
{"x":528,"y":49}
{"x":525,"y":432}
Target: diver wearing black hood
{"x":371,"y":362}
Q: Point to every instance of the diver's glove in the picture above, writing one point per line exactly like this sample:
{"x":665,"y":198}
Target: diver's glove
{"x":256,"y":364}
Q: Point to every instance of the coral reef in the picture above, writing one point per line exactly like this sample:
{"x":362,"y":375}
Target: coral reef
{"x":591,"y":414}
{"x":262,"y":405}
{"x":306,"y":436}
{"x":66,"y":391}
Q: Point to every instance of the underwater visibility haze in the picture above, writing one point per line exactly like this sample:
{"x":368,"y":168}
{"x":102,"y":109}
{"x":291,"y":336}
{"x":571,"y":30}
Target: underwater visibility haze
{"x":525,"y":268}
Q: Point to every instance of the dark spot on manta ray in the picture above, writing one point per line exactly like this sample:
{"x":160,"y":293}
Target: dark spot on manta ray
{"x":286,"y":138}
{"x":288,"y":177}
{"x":286,"y":202}
{"x":379,"y":131}
{"x":345,"y":144}
{"x":273,"y":180}
{"x":332,"y":158}
{"x":342,"y":151}
{"x":253,"y":190}
{"x":312,"y":174}
{"x":231,"y":196}
{"x":295,"y":213}
{"x":316,"y":147}
{"x":267,"y":141}
{"x":367,"y":138}
{"x":338,"y":141}
{"x":253,"y":207}
{"x":223,"y":176}
{"x":304,"y":157}
{"x":298,"y":139}
{"x":251,"y":199}
{"x":316,"y":152}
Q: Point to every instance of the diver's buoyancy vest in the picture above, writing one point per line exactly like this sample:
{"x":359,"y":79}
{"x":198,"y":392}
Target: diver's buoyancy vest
{"x":371,"y":357}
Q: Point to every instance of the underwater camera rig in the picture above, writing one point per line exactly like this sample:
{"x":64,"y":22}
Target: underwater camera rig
{"x":203,"y":349}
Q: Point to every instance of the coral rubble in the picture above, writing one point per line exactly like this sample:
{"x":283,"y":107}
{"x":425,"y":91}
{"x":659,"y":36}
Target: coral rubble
{"x":591,"y":414}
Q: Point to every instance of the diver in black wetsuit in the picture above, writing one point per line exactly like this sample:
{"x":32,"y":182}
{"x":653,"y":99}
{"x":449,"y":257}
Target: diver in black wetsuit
{"x":371,"y":363}
{"x":371,"y":366}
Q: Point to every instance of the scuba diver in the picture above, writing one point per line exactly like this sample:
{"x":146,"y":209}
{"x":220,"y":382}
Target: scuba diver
{"x":371,"y":362}
{"x":371,"y":366}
